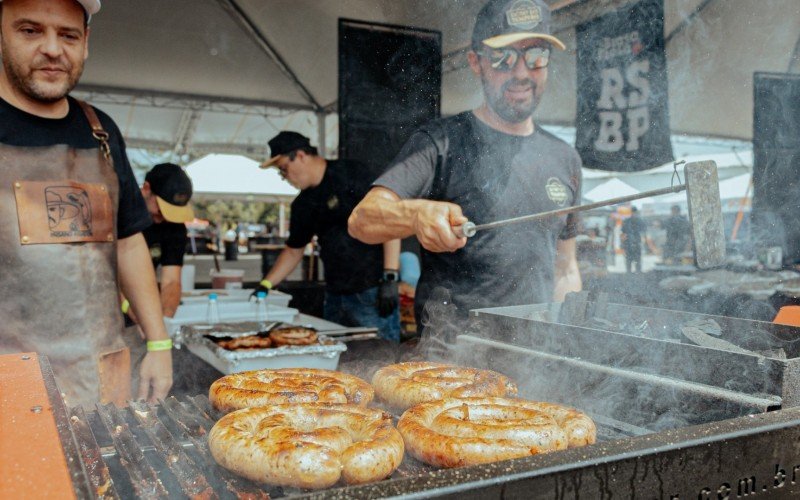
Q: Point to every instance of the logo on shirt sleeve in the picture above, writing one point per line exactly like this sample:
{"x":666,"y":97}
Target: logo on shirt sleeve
{"x":557,"y":191}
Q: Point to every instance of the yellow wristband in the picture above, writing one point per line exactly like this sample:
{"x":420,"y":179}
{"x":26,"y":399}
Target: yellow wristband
{"x":159,"y":345}
{"x":125,"y":306}
{"x":266,"y":284}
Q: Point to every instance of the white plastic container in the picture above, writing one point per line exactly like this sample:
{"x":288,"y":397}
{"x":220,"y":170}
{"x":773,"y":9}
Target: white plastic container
{"x":275,"y":297}
{"x":187,"y":277}
{"x":229,"y":312}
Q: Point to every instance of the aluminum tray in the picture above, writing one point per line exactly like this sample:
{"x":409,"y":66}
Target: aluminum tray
{"x":229,"y":312}
{"x":324,"y":355}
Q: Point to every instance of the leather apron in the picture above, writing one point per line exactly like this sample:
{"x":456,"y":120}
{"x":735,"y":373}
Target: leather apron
{"x":58,"y":265}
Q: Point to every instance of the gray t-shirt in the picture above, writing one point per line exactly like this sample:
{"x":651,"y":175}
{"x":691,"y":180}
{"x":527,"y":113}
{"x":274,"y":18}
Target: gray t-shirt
{"x":492,"y":176}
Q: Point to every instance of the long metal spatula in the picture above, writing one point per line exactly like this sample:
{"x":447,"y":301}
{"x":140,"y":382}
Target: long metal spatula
{"x":705,"y":213}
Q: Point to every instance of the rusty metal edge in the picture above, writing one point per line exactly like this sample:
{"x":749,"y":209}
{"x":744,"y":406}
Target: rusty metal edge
{"x":80,"y":478}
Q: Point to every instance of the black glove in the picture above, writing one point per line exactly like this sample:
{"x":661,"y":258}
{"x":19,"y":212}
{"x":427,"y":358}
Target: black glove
{"x":264,"y":286}
{"x":388,"y":295}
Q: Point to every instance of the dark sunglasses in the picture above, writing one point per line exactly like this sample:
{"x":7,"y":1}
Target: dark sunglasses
{"x":505,"y":59}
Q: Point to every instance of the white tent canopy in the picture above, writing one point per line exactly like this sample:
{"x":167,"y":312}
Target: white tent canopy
{"x":199,"y":76}
{"x":237,"y":177}
{"x":736,"y":187}
{"x":612,"y":188}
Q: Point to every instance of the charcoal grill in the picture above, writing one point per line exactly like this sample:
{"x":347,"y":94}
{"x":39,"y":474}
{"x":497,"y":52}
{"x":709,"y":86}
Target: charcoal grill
{"x":735,"y":433}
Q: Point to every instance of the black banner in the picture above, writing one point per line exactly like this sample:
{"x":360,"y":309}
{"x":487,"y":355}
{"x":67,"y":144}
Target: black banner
{"x":390,"y":81}
{"x":623,"y":112}
{"x":776,"y":163}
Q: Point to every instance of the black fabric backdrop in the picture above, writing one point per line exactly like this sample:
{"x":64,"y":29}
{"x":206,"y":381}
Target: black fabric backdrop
{"x":623,"y":113}
{"x":390,"y":81}
{"x":776,"y":163}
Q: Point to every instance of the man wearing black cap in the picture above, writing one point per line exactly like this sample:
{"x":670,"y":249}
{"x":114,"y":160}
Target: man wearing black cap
{"x":71,"y":215}
{"x":488,"y":164}
{"x":167,"y":191}
{"x":360,"y":279}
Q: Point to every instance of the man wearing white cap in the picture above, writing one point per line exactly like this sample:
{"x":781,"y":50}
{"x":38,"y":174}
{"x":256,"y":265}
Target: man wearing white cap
{"x":488,"y":164}
{"x":71,"y":215}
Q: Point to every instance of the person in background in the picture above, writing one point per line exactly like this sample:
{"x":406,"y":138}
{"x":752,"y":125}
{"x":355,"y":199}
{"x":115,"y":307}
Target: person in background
{"x":678,"y":230}
{"x":71,"y":217}
{"x":167,"y":191}
{"x":361,"y":280}
{"x":488,"y":164}
{"x":633,"y":231}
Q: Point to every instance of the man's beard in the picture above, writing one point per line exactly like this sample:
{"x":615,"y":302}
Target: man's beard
{"x":515,"y":111}
{"x":23,"y":78}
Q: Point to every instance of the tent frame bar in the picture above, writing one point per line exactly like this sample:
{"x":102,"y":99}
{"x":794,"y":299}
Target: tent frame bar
{"x":252,"y":30}
{"x":109,"y":94}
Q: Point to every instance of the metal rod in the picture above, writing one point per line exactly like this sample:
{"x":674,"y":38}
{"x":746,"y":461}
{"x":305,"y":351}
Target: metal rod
{"x":713,"y":393}
{"x":469,"y":228}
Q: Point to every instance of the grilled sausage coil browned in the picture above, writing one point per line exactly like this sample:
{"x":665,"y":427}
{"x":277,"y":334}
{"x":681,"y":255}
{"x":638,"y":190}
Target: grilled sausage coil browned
{"x":307,"y":445}
{"x":469,"y":431}
{"x":287,"y":385}
{"x":403,"y":385}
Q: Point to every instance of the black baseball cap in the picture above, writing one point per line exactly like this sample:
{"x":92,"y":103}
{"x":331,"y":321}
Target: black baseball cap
{"x":173,"y":190}
{"x":503,"y":22}
{"x":283,"y":144}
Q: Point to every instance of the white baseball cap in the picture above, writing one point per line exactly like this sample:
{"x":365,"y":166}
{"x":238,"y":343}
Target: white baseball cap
{"x":90,"y":6}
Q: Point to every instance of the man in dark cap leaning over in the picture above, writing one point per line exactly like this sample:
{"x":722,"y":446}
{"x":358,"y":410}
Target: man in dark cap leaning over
{"x":167,"y":191}
{"x":488,"y":164}
{"x":360,"y":279}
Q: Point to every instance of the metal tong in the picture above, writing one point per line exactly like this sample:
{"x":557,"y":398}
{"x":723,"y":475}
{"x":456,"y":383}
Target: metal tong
{"x":705,"y":213}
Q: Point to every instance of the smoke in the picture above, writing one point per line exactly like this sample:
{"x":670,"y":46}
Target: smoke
{"x":634,"y":370}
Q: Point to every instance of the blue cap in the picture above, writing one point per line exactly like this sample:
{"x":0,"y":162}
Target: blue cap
{"x":212,"y":296}
{"x":261,"y":295}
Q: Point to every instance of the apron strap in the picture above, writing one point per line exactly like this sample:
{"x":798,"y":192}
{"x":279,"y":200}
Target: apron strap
{"x":97,"y":129}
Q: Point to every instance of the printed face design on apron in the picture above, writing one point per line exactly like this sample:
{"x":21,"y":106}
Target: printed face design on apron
{"x":69,"y":212}
{"x":51,"y":212}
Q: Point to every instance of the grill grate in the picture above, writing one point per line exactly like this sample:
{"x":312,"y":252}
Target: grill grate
{"x":160,"y":451}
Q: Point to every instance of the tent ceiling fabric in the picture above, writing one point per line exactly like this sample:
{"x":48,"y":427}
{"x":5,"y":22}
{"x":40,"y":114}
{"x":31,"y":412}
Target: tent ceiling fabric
{"x":199,"y":48}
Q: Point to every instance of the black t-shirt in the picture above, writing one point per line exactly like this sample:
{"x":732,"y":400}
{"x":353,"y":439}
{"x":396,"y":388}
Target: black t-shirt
{"x":492,"y":176}
{"x":18,"y":128}
{"x":677,"y":227}
{"x":167,"y":243}
{"x":350,"y":265}
{"x":633,"y":228}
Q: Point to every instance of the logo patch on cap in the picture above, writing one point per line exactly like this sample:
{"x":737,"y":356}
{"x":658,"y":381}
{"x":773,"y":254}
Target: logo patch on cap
{"x":180,"y":199}
{"x":524,"y":15}
{"x":556,"y":191}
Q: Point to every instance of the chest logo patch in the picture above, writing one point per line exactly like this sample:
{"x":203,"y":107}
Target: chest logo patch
{"x":333,"y":202}
{"x":556,"y":191}
{"x":69,"y":212}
